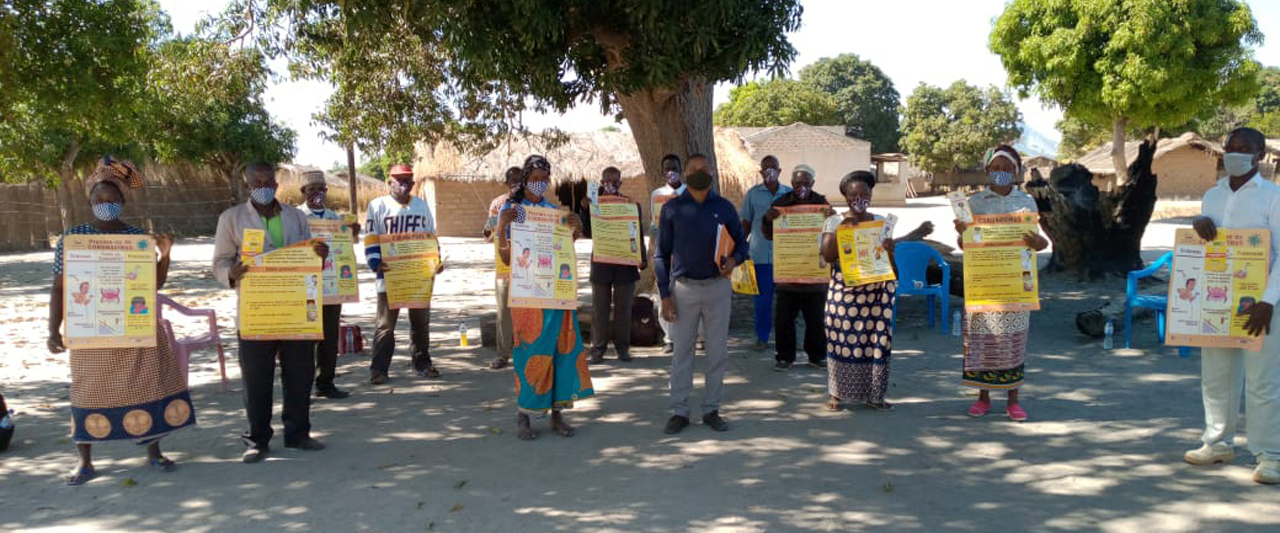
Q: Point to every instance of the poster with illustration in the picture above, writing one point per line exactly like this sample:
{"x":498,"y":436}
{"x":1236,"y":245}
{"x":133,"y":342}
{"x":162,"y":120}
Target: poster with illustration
{"x":544,"y":268}
{"x":615,"y":231}
{"x":863,"y":259}
{"x":280,"y":295}
{"x":1213,"y":285}
{"x":797,"y":245}
{"x":109,"y":291}
{"x":339,"y":284}
{"x":1000,"y":272}
{"x":412,"y":260}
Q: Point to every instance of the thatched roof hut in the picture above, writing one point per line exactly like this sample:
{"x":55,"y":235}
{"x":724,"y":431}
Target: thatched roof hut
{"x":289,"y":177}
{"x":1186,"y":165}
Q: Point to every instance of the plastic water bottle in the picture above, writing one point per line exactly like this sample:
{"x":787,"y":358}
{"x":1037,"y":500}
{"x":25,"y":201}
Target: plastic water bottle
{"x":462,"y":332}
{"x":955,"y":323}
{"x":1108,"y":331}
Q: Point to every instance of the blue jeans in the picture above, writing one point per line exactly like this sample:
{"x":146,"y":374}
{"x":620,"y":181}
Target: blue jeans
{"x":764,"y":301}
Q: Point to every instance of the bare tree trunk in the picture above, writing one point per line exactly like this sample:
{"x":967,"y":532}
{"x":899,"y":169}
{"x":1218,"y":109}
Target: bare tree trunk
{"x":67,"y":183}
{"x":663,"y":121}
{"x":1117,"y":148}
{"x":351,"y":178}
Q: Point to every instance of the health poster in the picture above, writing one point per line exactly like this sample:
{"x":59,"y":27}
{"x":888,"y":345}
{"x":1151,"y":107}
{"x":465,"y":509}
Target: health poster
{"x":1213,"y":285}
{"x":544,"y":271}
{"x":744,"y":279}
{"x":412,"y":259}
{"x":109,"y":291}
{"x":1000,"y":271}
{"x":338,"y":284}
{"x":863,"y":259}
{"x":615,"y":232}
{"x":797,"y":245}
{"x":658,"y":202}
{"x":500,"y":270}
{"x":280,"y":295}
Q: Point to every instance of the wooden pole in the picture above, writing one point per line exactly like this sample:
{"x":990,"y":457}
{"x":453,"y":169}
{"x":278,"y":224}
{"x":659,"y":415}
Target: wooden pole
{"x":351,"y":178}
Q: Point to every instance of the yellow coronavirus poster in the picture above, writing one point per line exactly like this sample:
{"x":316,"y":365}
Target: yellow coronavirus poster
{"x":1213,"y":285}
{"x":339,"y":273}
{"x":412,"y":260}
{"x":1000,"y":271}
{"x":280,"y":295}
{"x":544,"y":272}
{"x":109,"y":291}
{"x":797,"y":244}
{"x":863,"y":258}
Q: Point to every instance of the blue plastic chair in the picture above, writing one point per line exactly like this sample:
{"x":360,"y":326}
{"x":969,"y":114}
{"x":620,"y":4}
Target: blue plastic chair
{"x":912,"y":260}
{"x":1158,"y":304}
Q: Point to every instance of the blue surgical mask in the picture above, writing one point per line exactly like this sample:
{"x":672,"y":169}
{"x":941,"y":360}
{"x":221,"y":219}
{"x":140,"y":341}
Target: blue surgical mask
{"x":263,"y":195}
{"x":1237,"y":163}
{"x":107,"y":212}
{"x":538,"y":188}
{"x":1000,"y":178}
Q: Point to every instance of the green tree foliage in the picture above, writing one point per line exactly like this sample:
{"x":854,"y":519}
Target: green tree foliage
{"x":458,"y":70}
{"x":865,"y":96}
{"x":376,"y":165}
{"x":207,"y":107}
{"x":947,"y":130}
{"x":777,"y":102}
{"x":1129,"y":63}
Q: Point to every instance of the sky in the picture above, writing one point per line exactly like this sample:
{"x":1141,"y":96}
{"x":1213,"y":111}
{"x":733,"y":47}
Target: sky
{"x":912,"y":41}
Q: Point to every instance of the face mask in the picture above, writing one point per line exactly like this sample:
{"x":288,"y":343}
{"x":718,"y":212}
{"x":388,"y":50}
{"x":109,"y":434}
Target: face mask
{"x":1000,"y":178}
{"x":263,"y":195}
{"x":860,"y":205}
{"x":538,"y":188}
{"x":770,"y":175}
{"x":107,"y":212}
{"x":699,"y":181}
{"x":673,"y":178}
{"x":1237,"y":163}
{"x":317,"y":199}
{"x":802,"y":192}
{"x":608,"y":188}
{"x":400,"y":188}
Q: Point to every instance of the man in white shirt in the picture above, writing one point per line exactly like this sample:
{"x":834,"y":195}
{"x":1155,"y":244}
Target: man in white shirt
{"x":314,"y":191}
{"x":1244,"y":200}
{"x":398,"y":212}
{"x":671,"y":172}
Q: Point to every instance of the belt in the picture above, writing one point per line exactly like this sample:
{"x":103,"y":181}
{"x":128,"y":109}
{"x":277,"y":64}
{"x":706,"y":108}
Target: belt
{"x":701,"y":282}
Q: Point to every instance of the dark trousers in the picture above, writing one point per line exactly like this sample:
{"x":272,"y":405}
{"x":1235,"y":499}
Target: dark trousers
{"x":616,"y":297}
{"x":384,"y":339}
{"x":258,"y":370}
{"x":327,"y":349}
{"x":792,"y":304}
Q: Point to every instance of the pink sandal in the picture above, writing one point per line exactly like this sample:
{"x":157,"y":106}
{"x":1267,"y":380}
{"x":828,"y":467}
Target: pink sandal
{"x":979,"y":408}
{"x":1016,"y":413}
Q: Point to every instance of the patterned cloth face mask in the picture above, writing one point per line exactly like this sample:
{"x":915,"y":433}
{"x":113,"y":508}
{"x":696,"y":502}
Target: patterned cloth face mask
{"x":107,"y":212}
{"x":770,"y":175}
{"x":673,"y":178}
{"x":609,"y":187}
{"x":538,"y":188}
{"x":860,"y":205}
{"x":263,"y":195}
{"x":1001,"y":178}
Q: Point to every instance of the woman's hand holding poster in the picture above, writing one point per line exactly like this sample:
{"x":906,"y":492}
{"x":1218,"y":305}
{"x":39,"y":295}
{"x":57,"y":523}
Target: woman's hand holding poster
{"x":797,"y":245}
{"x":1213,"y":286}
{"x":412,"y":260}
{"x":280,"y":295}
{"x":863,"y":259}
{"x":999,"y":269}
{"x":615,"y":231}
{"x":339,"y":280}
{"x":544,"y":270}
{"x":109,"y":291}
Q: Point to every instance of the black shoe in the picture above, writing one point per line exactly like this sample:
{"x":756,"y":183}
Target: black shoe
{"x":308,"y":444}
{"x":597,"y":358}
{"x":429,"y":372}
{"x":781,"y":365}
{"x":713,"y":421}
{"x":377,"y":378}
{"x":676,"y":424}
{"x":624,"y":357}
{"x":254,"y":454}
{"x":821,"y":363}
{"x":668,"y":348}
{"x":333,"y":393}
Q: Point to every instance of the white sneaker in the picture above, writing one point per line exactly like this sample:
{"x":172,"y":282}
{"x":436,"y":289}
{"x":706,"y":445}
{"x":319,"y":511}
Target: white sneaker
{"x":1267,"y":472}
{"x":1210,"y":454}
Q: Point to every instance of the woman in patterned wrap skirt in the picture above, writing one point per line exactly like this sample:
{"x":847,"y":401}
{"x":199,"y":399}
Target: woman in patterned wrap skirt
{"x":119,"y":393}
{"x":859,"y":319}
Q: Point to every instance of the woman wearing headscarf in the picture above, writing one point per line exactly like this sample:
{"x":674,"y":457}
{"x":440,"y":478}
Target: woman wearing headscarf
{"x":119,"y":393}
{"x":859,"y":319}
{"x":547,"y":353}
{"x":995,"y":342}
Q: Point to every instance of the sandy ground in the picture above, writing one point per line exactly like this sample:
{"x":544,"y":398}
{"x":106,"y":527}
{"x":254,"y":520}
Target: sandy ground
{"x":1102,"y":451}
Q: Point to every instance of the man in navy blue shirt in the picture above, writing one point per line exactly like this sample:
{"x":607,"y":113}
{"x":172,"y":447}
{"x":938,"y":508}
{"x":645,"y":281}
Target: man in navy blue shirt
{"x":695,"y":288}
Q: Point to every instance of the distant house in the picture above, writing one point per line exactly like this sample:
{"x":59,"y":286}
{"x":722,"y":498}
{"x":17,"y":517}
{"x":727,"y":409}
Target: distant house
{"x":827,"y":149}
{"x":1040,"y":164}
{"x":1271,"y":159}
{"x":1186,"y":166}
{"x":459,"y":186}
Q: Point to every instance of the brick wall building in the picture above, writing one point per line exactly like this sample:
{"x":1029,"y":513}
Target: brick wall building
{"x":1185,"y":166}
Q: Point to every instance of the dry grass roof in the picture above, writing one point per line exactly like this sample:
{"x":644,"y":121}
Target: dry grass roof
{"x":1099,"y":162}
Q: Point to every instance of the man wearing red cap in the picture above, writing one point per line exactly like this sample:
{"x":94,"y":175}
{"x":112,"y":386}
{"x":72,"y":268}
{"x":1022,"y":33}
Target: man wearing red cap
{"x":398,"y":212}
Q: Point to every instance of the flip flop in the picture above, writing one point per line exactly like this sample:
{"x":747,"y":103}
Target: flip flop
{"x":164,"y":464}
{"x":979,"y":409}
{"x":1016,"y":413}
{"x":81,"y":476}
